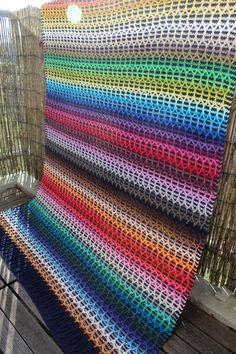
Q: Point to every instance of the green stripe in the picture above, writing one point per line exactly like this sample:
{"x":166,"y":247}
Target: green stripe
{"x":213,"y":74}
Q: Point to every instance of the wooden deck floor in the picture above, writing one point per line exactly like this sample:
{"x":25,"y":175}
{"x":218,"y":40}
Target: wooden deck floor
{"x":23,"y":331}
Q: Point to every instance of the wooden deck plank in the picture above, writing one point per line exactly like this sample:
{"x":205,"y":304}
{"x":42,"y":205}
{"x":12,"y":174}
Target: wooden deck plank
{"x":10,"y":340}
{"x":198,"y":339}
{"x":175,"y":345}
{"x":209,"y":325}
{"x":28,"y":327}
{"x":2,"y":284}
{"x":26,"y":299}
{"x":5,"y":272}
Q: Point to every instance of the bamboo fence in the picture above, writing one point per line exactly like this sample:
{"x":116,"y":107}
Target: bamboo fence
{"x":218,"y":262}
{"x":22,"y":95}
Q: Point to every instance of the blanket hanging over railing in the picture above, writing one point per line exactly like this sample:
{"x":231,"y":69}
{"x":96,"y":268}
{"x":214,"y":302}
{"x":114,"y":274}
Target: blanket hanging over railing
{"x":138,"y":100}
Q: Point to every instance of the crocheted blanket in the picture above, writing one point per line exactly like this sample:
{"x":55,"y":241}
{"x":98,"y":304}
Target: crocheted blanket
{"x":138,"y":99}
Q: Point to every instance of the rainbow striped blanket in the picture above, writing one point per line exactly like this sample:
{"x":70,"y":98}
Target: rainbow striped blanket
{"x":138,"y":100}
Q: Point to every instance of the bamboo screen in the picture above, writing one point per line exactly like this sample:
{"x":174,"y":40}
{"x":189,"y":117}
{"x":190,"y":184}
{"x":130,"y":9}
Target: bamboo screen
{"x":21,"y":93}
{"x":219,"y":257}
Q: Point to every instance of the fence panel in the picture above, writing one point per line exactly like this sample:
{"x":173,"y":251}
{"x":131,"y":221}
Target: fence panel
{"x":22,"y":93}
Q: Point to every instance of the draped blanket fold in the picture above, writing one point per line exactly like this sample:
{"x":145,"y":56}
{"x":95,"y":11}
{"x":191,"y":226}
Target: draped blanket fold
{"x":138,"y":100}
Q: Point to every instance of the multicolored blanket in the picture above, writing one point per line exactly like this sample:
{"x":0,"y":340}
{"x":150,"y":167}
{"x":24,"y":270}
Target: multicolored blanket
{"x":138,"y":99}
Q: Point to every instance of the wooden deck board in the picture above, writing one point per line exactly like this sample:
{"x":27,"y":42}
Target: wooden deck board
{"x":27,"y":326}
{"x":175,"y":345}
{"x":197,"y":339}
{"x":214,"y":329}
{"x":2,"y":284}
{"x":10,"y":340}
{"x":5,"y":272}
